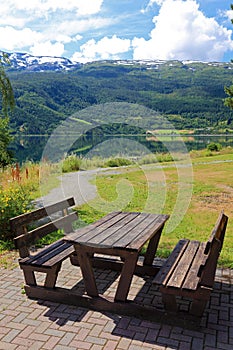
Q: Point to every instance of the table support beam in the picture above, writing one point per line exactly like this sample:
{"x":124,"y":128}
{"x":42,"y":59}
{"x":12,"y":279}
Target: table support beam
{"x":126,"y":276}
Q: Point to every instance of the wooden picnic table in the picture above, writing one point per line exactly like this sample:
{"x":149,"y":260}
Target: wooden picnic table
{"x":122,"y":235}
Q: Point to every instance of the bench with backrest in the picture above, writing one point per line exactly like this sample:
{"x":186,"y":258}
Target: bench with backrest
{"x":190,"y":270}
{"x":30,"y":227}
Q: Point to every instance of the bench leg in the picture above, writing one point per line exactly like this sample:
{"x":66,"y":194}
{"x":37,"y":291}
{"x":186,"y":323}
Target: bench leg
{"x":169,"y":302}
{"x":51,"y":276}
{"x":29,"y":277}
{"x":197,"y":307}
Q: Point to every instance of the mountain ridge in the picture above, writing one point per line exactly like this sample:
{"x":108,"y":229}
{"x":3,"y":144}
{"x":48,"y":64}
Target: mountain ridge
{"x":24,"y":61}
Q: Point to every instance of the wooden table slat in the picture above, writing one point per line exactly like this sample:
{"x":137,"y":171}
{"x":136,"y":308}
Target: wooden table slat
{"x":154,"y":225}
{"x":84,"y":230}
{"x":139,"y":234}
{"x":186,"y":259}
{"x":119,"y":238}
{"x":92,"y":238}
{"x":116,"y":231}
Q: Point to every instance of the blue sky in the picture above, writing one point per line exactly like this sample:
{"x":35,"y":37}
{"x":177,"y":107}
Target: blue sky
{"x":89,"y":30}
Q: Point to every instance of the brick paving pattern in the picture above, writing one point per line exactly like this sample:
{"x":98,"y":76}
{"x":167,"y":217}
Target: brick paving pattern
{"x":36,"y":324}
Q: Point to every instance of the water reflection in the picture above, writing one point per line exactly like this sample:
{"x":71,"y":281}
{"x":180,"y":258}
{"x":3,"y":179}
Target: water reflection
{"x":30,"y":147}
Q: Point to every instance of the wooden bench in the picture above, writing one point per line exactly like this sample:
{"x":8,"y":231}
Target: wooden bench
{"x":49,"y":259}
{"x":190,"y":270}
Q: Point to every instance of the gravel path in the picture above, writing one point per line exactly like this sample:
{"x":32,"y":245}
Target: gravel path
{"x":76,"y":184}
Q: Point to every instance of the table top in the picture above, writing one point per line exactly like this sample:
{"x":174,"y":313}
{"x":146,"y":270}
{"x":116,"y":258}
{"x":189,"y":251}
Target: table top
{"x":120,"y":230}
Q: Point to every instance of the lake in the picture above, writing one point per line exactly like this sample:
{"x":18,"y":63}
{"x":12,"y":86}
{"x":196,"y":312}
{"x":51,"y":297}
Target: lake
{"x":31,"y":147}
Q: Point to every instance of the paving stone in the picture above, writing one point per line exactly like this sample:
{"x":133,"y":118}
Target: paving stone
{"x":39,"y":325}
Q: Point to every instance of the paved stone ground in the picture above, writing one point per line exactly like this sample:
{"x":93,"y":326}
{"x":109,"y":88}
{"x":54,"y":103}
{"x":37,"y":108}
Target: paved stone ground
{"x":35,"y":324}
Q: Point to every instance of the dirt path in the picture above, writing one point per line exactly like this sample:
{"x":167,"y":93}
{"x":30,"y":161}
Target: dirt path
{"x":80,"y":185}
{"x":76,"y":184}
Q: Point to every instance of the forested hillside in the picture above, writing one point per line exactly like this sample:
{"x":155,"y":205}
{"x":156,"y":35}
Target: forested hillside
{"x":189,"y":94}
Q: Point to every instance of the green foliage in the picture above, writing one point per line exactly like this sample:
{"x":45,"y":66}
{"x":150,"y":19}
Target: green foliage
{"x":71,"y":163}
{"x":189,"y":95}
{"x":213,"y":146}
{"x":117,"y":162}
{"x":8,"y":101}
{"x":5,"y":139}
{"x":14,"y":201}
{"x":229,"y":100}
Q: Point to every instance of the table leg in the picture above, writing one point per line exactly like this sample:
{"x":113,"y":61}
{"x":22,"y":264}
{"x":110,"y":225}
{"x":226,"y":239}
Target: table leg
{"x":87,"y":271}
{"x":126,"y":276}
{"x":152,"y":247}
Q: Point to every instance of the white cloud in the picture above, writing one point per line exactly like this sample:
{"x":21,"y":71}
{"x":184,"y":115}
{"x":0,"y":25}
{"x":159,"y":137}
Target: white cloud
{"x":229,"y":14}
{"x":75,"y":27}
{"x":38,"y":7}
{"x":47,"y":49}
{"x":182,"y":31}
{"x":106,"y":48}
{"x":12,"y":39}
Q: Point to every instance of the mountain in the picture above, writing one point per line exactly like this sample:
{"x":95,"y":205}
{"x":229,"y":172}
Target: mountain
{"x":50,"y":89}
{"x":24,"y":61}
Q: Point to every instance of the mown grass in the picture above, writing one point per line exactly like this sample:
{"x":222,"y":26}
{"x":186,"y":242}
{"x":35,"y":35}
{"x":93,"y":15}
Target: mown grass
{"x":212,"y":192}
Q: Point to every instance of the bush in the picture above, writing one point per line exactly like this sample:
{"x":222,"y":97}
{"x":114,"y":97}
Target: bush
{"x":71,"y":163}
{"x":117,"y":162}
{"x":214,"y":147}
{"x":14,"y":201}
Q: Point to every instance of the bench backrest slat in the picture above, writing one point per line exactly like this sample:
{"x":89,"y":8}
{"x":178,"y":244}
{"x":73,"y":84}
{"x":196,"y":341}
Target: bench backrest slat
{"x":218,"y":231}
{"x":31,"y":237}
{"x":25,"y":237}
{"x":212,"y":251}
{"x":25,"y":219}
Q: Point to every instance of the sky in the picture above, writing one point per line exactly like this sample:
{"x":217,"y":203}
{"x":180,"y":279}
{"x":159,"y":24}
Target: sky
{"x":90,"y":30}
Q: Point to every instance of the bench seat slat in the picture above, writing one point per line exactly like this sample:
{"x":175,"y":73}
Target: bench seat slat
{"x":180,"y":272}
{"x":50,"y":255}
{"x":167,"y":269}
{"x":193,"y":278}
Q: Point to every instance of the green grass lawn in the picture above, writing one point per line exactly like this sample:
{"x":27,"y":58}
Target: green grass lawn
{"x":152,"y":189}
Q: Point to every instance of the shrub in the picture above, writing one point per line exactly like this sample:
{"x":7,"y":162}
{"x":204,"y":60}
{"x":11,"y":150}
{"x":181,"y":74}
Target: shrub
{"x":14,"y":201}
{"x":117,"y":162}
{"x":71,"y":163}
{"x":214,"y":147}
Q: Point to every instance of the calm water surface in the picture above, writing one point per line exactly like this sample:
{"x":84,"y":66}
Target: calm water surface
{"x":30,"y":147}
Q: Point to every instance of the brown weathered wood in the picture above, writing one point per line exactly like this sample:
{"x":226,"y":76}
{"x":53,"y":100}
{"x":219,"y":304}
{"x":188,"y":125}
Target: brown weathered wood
{"x":126,"y":276}
{"x":40,"y":213}
{"x":190,"y":269}
{"x":219,"y":229}
{"x":152,"y":248}
{"x":178,"y":276}
{"x":192,"y":279}
{"x":169,"y":301}
{"x":170,"y":264}
{"x":49,"y":259}
{"x":115,"y":236}
{"x":32,"y":236}
{"x":84,"y":256}
{"x":116,"y":265}
{"x":138,"y":241}
{"x":51,"y":276}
